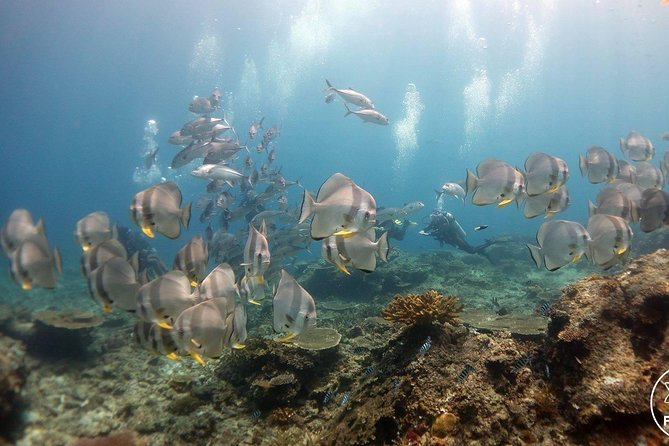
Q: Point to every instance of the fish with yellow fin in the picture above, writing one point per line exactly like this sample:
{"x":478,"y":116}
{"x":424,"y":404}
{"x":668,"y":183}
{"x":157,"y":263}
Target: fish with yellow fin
{"x":164,"y":298}
{"x":294,"y":310}
{"x":158,"y":209}
{"x":341,"y":207}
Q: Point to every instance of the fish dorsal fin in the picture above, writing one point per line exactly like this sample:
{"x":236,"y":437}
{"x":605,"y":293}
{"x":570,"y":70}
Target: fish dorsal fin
{"x":171,"y":188}
{"x":489,"y":165}
{"x":332,"y":185}
{"x":533,"y":160}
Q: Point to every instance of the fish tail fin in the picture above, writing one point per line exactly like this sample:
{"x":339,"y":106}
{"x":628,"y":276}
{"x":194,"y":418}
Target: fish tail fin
{"x":471,"y":183}
{"x":536,"y":254}
{"x":260,"y":123}
{"x":439,"y":193}
{"x":58,"y":261}
{"x":592,"y":209}
{"x":185,"y":215}
{"x":383,"y":247}
{"x":40,"y":227}
{"x":623,"y":146}
{"x":308,"y":205}
{"x":348,"y":111}
{"x":328,"y":83}
{"x":582,"y":164}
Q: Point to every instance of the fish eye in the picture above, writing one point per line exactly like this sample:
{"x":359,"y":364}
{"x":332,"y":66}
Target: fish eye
{"x":502,"y":194}
{"x":571,"y":253}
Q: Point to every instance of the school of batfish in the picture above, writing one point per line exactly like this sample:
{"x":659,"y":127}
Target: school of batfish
{"x":191,"y":311}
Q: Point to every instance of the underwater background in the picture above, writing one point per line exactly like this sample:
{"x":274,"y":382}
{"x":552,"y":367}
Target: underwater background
{"x":460,"y":81}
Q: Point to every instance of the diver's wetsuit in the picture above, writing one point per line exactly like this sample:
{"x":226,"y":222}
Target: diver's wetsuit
{"x":444,"y":228}
{"x":393,"y":228}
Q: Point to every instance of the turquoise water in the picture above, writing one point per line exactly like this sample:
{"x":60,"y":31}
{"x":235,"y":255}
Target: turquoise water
{"x":80,"y":81}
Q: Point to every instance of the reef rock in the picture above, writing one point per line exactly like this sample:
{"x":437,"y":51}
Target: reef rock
{"x":12,"y":378}
{"x":608,"y":342}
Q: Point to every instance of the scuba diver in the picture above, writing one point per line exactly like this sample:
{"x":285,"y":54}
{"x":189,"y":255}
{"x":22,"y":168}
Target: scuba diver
{"x":396,"y":229}
{"x":444,"y":228}
{"x":134,"y":241}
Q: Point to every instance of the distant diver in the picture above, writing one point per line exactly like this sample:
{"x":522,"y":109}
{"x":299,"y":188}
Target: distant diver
{"x":396,"y":229}
{"x":133,"y":241}
{"x":444,"y":228}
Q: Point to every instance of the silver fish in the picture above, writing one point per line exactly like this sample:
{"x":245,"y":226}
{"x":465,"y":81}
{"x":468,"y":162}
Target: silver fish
{"x":649,"y":176}
{"x":33,"y":265}
{"x":626,"y":171}
{"x":664,"y":136}
{"x":413,"y":206}
{"x":218,"y":172}
{"x":235,"y":333}
{"x":495,"y":182}
{"x":452,"y":190}
{"x":637,"y":147}
{"x":93,"y":229}
{"x":255,"y":126}
{"x":220,"y":283}
{"x":549,"y":203}
{"x":198,"y":127}
{"x":19,"y":228}
{"x":358,"y":252}
{"x":560,"y":242}
{"x":294,"y":310}
{"x":157,"y":208}
{"x":200,"y":330}
{"x":544,"y":173}
{"x":631,"y":191}
{"x":99,"y":254}
{"x":114,"y":284}
{"x":192,"y":259}
{"x":196,"y":149}
{"x":164,"y":298}
{"x":654,"y":209}
{"x":218,"y":152}
{"x":599,"y":165}
{"x":155,"y":339}
{"x":349,"y":95}
{"x":215,"y":98}
{"x":177,"y":139}
{"x":340,"y":208}
{"x":611,"y":201}
{"x":611,"y":239}
{"x":150,"y":158}
{"x":256,"y":253}
{"x":368,"y":115}
{"x":201,"y":105}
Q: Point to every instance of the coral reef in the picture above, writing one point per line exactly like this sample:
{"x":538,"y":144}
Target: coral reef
{"x":12,"y":380}
{"x":71,"y":319}
{"x":423,"y":308}
{"x":584,"y":380}
{"x":318,"y":338}
{"x":608,"y":343}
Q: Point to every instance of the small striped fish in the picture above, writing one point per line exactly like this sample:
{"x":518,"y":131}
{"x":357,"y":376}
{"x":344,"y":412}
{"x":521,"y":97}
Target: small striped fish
{"x":521,"y":363}
{"x":344,"y":399}
{"x":369,"y":370}
{"x":329,"y":395}
{"x":465,"y":372}
{"x":359,"y":350}
{"x":426,"y":346}
{"x":255,"y":415}
{"x":543,"y":309}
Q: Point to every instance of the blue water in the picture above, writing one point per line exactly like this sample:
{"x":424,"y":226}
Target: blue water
{"x":80,"y":79}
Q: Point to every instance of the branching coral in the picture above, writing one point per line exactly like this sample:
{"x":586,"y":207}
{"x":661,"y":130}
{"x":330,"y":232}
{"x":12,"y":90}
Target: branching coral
{"x":423,"y":308}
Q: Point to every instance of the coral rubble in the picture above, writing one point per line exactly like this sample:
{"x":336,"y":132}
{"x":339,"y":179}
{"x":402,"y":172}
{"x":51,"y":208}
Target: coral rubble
{"x":423,"y":308}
